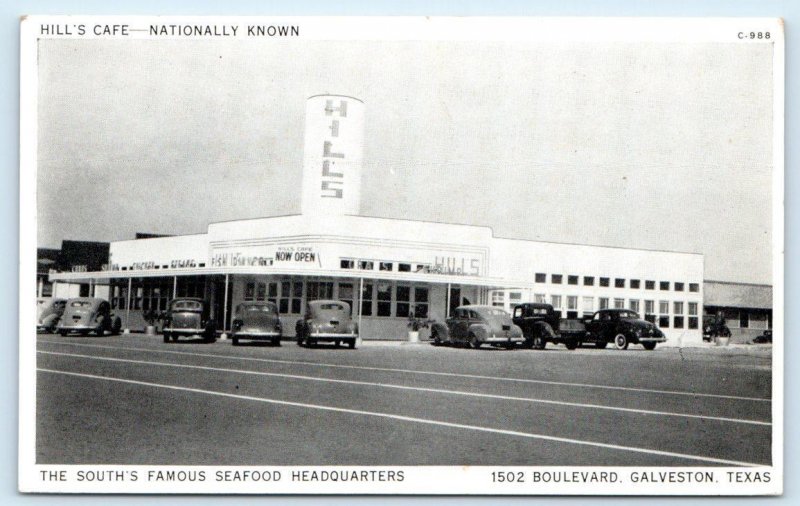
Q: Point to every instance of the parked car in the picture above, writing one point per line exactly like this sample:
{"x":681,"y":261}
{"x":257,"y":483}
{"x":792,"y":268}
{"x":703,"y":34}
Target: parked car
{"x":622,"y":327}
{"x":541,"y":324}
{"x":88,"y":314}
{"x":189,"y":316}
{"x":764,"y":338}
{"x":478,"y":325}
{"x":327,"y":320}
{"x":714,"y":326}
{"x":48,"y":313}
{"x":256,"y":321}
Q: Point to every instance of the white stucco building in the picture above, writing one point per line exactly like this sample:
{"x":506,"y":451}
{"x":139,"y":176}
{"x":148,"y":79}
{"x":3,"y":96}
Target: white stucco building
{"x":387,"y":268}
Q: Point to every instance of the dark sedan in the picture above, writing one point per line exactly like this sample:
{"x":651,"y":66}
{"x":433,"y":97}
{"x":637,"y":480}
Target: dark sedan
{"x":189,"y":317}
{"x":256,"y":321}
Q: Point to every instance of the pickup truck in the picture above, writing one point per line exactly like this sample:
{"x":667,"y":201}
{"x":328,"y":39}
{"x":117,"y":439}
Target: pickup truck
{"x":540,"y":324}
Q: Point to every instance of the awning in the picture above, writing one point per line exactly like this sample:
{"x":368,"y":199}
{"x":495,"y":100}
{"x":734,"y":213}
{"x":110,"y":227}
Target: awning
{"x":414,"y":277}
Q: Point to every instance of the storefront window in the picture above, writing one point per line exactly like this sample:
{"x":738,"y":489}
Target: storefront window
{"x":603,"y":303}
{"x":677,"y":307}
{"x":650,"y":311}
{"x":316,"y":290}
{"x":261,"y":291}
{"x":421,"y":302}
{"x":572,"y":306}
{"x":498,"y":298}
{"x":366,"y":300}
{"x":663,"y":313}
{"x":677,"y":322}
{"x":384,"y":299}
{"x":273,"y":292}
{"x":291,"y":297}
{"x":346,"y":295}
{"x":403,"y":306}
{"x":250,"y":290}
{"x":588,"y":305}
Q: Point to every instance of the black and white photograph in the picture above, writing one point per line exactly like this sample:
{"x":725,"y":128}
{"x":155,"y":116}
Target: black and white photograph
{"x":401,"y":255}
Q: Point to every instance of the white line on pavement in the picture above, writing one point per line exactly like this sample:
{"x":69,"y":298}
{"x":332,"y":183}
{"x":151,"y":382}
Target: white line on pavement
{"x":416,"y":389}
{"x":412,"y":371}
{"x":413,"y":419}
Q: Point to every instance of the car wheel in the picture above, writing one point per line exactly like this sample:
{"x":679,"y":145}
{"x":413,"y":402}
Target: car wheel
{"x":51,"y":329}
{"x":337,"y":343}
{"x":352,"y":344}
{"x":571,"y":344}
{"x":649,"y":346}
{"x":166,"y":337}
{"x":538,"y":342}
{"x":63,"y":333}
{"x":299,"y":340}
{"x":601,"y":345}
{"x":175,"y":338}
{"x":116,"y":327}
{"x":473,"y":340}
{"x":235,"y":341}
{"x":621,"y":341}
{"x":437,"y":341}
{"x":276,"y":341}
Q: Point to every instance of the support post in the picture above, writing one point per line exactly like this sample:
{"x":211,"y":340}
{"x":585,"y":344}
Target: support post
{"x":360,"y":303}
{"x":225,"y":307}
{"x":128,"y":308}
{"x":174,"y":286}
{"x":91,"y":287}
{"x":447,"y":304}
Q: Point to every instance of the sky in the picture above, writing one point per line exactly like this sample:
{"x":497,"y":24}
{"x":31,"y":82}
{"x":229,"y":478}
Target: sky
{"x":655,"y":146}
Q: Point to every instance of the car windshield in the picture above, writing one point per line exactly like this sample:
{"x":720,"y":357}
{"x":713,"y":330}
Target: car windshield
{"x":80,"y":303}
{"x":632,"y":315}
{"x":491,"y":311}
{"x":331,"y":307}
{"x":187,"y":305}
{"x":259,"y":309}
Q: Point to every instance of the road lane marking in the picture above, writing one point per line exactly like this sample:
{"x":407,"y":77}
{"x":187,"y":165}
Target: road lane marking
{"x":413,"y":419}
{"x":412,"y":388}
{"x":412,"y":371}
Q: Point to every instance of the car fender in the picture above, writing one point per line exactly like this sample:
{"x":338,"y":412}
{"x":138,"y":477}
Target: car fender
{"x":543,"y":329}
{"x":479,"y":330}
{"x":441,"y":330}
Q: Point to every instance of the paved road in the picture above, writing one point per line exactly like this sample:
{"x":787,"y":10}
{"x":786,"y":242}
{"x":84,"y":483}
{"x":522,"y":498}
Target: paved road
{"x":135,"y":400}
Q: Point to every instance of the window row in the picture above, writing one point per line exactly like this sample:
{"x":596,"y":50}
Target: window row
{"x":384,"y":299}
{"x":154,"y":294}
{"x":558,"y":279}
{"x":384,"y":266}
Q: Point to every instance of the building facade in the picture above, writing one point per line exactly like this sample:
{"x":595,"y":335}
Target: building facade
{"x":387,"y":269}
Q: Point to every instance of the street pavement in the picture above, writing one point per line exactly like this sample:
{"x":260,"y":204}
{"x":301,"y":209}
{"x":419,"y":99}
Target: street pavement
{"x":135,"y":400}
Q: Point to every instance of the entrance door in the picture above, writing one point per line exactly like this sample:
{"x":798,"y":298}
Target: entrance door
{"x":219,"y":302}
{"x":455,"y":300}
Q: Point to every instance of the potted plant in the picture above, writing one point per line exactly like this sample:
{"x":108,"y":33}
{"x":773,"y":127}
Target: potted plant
{"x":414,"y":324}
{"x":152,"y":316}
